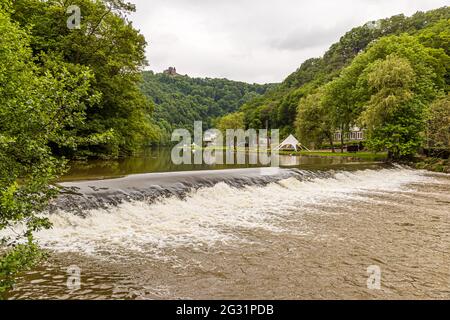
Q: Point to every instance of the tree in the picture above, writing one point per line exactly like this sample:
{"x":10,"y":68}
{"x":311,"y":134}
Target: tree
{"x":231,"y":121}
{"x":394,"y":115}
{"x":438,"y":124}
{"x":437,"y":36}
{"x":339,"y":101}
{"x":108,"y":44}
{"x":36,"y":105}
{"x":314,"y":122}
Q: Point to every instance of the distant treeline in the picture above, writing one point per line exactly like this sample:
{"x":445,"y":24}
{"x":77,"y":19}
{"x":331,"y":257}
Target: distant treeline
{"x":181,"y":100}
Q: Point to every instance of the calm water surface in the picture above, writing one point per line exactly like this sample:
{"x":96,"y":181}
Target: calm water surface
{"x":159,"y":160}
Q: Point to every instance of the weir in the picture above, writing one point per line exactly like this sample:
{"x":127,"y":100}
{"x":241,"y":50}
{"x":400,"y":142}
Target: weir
{"x":85,"y":195}
{"x":80,"y":196}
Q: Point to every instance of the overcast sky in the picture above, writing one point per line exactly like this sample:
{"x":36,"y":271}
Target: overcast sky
{"x":253,"y":40}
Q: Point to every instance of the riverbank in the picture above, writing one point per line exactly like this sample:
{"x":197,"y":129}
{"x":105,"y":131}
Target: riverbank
{"x":363,"y":155}
{"x":367,"y":156}
{"x":422,"y":162}
{"x":431,"y":164}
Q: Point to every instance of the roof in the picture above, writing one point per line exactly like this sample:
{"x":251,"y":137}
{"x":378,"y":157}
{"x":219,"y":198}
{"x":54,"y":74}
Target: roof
{"x":291,"y":140}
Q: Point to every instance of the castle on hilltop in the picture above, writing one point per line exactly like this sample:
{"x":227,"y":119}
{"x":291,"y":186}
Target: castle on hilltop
{"x":172,"y":71}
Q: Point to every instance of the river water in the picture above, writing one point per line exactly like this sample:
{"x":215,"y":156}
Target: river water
{"x":311,"y":235}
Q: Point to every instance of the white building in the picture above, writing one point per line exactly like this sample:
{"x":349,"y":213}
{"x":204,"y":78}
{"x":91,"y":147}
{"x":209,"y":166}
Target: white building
{"x":355,"y":134}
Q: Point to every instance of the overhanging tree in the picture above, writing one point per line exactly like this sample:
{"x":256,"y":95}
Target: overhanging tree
{"x":37,"y":104}
{"x":109,"y":45}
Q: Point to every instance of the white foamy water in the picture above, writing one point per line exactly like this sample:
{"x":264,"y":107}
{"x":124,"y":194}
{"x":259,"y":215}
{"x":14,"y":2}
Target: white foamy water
{"x":217,"y":214}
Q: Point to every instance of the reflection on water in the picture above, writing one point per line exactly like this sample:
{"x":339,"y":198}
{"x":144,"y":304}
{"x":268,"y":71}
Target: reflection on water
{"x":294,"y":239}
{"x":159,"y":160}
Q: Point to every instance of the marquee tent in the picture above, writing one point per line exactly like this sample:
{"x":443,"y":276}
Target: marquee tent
{"x":291,"y":143}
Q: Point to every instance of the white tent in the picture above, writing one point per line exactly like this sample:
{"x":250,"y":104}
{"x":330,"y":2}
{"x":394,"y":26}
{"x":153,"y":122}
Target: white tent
{"x":290,"y":143}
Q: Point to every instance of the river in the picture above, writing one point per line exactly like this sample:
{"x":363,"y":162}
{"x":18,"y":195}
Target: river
{"x":310,"y":232}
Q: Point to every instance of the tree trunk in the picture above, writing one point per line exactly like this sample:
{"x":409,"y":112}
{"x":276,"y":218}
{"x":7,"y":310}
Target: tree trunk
{"x":342,"y":139}
{"x":390,"y":156}
{"x":331,"y":143}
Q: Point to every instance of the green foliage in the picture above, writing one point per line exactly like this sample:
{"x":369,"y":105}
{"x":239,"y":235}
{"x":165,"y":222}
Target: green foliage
{"x":5,"y":5}
{"x":114,"y":51}
{"x":279,"y":106}
{"x":386,"y":89}
{"x":180,"y":100}
{"x":37,"y":104}
{"x":438,"y":124}
{"x":394,"y":113}
{"x":437,"y":36}
{"x":230,"y":121}
{"x":19,"y":259}
{"x":401,"y":88}
{"x":314,"y":122}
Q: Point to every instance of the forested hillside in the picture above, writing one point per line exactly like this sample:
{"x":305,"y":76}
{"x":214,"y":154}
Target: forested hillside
{"x":280,"y":107}
{"x":181,"y":100}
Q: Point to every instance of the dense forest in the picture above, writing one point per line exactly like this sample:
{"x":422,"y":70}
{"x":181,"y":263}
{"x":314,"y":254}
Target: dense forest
{"x":181,"y":100}
{"x":353,"y":84}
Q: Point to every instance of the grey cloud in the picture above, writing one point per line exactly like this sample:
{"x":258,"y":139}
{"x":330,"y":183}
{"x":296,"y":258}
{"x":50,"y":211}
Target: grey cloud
{"x":302,"y":39}
{"x":253,"y":40}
